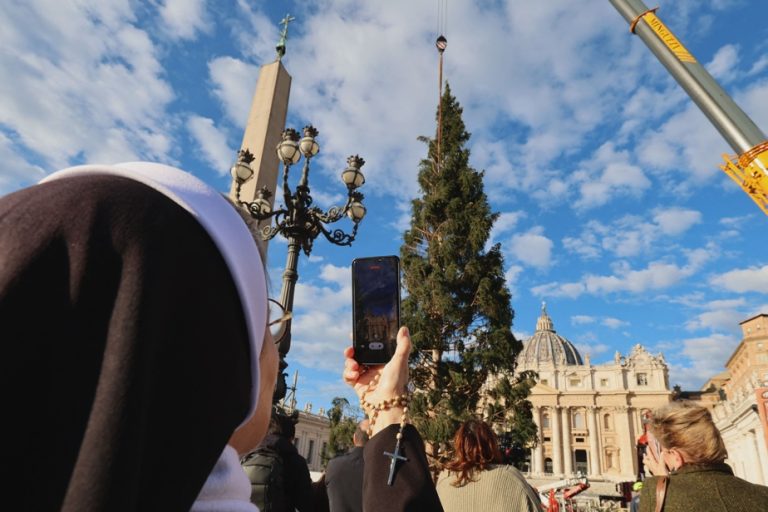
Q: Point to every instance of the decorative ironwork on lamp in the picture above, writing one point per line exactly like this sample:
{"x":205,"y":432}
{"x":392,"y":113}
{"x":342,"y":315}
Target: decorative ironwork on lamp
{"x":298,"y":219}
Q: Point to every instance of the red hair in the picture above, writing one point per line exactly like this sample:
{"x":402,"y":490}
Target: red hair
{"x":475,"y":447}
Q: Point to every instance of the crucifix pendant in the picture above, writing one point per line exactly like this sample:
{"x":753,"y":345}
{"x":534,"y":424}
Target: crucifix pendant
{"x":395,"y":457}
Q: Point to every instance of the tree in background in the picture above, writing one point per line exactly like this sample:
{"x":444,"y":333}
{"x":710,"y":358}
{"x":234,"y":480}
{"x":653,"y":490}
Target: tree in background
{"x":344,"y":419}
{"x":458,"y":305}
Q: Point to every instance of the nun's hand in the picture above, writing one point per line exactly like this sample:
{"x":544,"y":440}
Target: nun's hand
{"x":392,"y":381}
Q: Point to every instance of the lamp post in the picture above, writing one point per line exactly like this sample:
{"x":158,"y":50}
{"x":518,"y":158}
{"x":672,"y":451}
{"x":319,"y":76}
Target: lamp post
{"x":298,"y":220}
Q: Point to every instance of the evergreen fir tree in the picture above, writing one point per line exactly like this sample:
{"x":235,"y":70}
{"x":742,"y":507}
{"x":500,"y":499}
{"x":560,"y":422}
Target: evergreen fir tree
{"x":458,"y":305}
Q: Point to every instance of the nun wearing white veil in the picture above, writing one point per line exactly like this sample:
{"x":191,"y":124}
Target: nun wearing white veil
{"x":133,"y":321}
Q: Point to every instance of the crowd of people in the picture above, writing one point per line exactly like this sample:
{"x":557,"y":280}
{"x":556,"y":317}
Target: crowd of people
{"x":140,"y":370}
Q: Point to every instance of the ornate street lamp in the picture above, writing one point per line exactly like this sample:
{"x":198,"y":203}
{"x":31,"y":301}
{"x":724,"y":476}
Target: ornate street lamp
{"x":297,"y":219}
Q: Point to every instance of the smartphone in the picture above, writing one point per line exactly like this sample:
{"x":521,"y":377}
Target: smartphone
{"x":655,"y":446}
{"x":375,"y":308}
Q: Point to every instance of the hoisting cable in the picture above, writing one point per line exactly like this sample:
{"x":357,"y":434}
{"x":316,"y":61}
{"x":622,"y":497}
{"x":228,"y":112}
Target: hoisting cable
{"x":441,"y":43}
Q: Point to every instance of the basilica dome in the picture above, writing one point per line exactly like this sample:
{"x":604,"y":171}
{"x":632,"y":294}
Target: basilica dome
{"x":547,"y":347}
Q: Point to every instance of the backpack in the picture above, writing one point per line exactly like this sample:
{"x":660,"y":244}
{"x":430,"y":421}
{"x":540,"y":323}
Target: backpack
{"x":264,"y":467}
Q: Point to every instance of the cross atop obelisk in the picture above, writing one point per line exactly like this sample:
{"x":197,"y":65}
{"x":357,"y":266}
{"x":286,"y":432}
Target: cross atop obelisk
{"x":283,"y":36}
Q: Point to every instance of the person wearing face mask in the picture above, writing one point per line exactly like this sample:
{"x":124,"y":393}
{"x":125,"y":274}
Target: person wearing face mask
{"x":138,"y":364}
{"x":686,"y":456}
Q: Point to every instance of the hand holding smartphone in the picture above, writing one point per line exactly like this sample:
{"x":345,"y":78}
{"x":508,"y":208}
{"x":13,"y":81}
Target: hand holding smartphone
{"x":375,"y":308}
{"x":653,"y":460}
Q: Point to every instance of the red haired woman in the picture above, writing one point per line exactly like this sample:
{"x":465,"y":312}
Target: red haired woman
{"x":476,"y":480}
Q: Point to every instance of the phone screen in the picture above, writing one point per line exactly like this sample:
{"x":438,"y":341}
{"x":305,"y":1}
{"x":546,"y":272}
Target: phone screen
{"x":376,"y":308}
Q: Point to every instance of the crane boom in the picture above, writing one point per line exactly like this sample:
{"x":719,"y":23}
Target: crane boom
{"x":749,"y":168}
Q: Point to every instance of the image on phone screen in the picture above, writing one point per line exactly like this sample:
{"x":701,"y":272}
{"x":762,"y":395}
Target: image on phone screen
{"x":376,"y":308}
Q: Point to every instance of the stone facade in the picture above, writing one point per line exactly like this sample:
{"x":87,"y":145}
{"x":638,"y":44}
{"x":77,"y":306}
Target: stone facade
{"x":742,"y":416}
{"x":312,"y":434}
{"x":589,"y":416}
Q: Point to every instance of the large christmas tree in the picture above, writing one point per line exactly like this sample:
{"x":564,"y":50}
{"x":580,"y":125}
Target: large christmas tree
{"x":458,"y":305}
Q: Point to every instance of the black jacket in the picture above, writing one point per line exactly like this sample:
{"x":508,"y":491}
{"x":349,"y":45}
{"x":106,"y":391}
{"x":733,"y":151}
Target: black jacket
{"x":344,"y":480}
{"x":297,"y":483}
{"x":412,"y":489}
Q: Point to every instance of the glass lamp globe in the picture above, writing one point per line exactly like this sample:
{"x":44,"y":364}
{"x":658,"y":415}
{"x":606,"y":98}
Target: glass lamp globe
{"x":352,"y":177}
{"x":309,"y":147}
{"x":288,"y":152}
{"x":356,"y":211}
{"x":241,"y":172}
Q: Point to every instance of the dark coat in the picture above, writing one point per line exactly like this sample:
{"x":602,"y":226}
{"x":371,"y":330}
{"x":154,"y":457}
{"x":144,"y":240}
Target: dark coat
{"x":710,"y":488}
{"x":296,"y":480}
{"x":412,"y":489}
{"x":344,"y":480}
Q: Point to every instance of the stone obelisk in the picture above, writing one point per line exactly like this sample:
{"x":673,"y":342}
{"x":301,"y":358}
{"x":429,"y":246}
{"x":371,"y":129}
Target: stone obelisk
{"x":266,"y":122}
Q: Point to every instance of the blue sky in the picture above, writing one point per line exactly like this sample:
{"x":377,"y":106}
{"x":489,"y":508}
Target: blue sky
{"x":613,"y":208}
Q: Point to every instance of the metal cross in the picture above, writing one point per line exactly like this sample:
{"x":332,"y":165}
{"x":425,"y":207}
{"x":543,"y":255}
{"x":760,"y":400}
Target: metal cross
{"x":283,"y":36}
{"x":395,"y":457}
{"x":284,"y":22}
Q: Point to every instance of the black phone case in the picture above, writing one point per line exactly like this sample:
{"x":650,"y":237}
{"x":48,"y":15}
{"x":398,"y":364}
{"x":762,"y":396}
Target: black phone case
{"x":362,"y":354}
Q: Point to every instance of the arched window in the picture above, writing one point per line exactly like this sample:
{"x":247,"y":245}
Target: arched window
{"x":578,"y":420}
{"x":545,"y":420}
{"x":548,"y":465}
{"x":607,"y":423}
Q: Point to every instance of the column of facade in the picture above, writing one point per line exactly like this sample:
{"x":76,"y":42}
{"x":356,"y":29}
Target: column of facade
{"x":537,"y":457}
{"x":757,"y":472}
{"x":567,"y":451}
{"x":557,"y":459}
{"x":762,"y":456}
{"x":594,"y":443}
{"x":627,"y":444}
{"x":741,"y":455}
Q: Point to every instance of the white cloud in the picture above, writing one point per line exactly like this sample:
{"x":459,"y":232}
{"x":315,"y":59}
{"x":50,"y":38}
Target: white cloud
{"x":613,"y":323}
{"x":752,"y":279}
{"x":90,"y":89}
{"x":658,"y":275}
{"x":17,"y":172}
{"x":521,"y":335}
{"x":607,"y":175}
{"x":705,"y":356}
{"x":256,"y":33}
{"x":630,"y":235}
{"x":674,"y":221}
{"x":323,"y":319}
{"x":511,"y":277}
{"x":531,"y":90}
{"x":723,"y":64}
{"x":323,"y":199}
{"x":717,"y":319}
{"x":759,"y":65}
{"x":183,"y":19}
{"x":233,"y":84}
{"x":318,"y":339}
{"x":531,"y":248}
{"x":212,"y":143}
{"x":673,"y":150}
{"x":341,"y":276}
{"x":592,"y":349}
{"x":754,"y":100}
{"x":582,"y":319}
{"x":328,"y":299}
{"x":506,"y":222}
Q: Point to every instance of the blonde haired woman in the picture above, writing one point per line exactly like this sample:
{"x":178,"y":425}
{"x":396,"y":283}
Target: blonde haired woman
{"x":688,"y":464}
